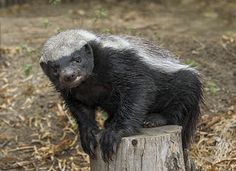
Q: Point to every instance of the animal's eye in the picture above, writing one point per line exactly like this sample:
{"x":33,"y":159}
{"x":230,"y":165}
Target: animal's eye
{"x":55,"y":69}
{"x":77,"y":59}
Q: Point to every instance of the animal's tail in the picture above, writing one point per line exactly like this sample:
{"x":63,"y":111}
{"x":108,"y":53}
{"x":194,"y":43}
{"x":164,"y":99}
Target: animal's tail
{"x":193,"y":112}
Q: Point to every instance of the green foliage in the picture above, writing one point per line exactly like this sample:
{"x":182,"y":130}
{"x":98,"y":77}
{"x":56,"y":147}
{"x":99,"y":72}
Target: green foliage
{"x":106,"y":31}
{"x":74,"y":125}
{"x":27,"y":69}
{"x":212,"y":87}
{"x":58,"y":30}
{"x":25,"y":47}
{"x":45,"y":23}
{"x":104,"y":114}
{"x":156,"y":37}
{"x":210,"y":14}
{"x":191,"y":63}
{"x":54,"y":2}
{"x":100,"y":14}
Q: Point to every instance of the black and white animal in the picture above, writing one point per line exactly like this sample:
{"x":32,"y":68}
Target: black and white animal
{"x":135,"y":81}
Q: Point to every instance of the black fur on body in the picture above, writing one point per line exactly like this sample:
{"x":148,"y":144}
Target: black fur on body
{"x":133,"y":93}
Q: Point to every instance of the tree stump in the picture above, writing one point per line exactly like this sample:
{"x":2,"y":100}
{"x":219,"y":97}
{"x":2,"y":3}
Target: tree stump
{"x":155,"y":149}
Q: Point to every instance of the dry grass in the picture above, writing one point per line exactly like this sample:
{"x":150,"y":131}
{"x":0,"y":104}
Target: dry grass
{"x":215,"y":144}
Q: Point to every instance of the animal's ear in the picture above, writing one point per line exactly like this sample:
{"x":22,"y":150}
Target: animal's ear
{"x":43,"y":66}
{"x":88,"y":49}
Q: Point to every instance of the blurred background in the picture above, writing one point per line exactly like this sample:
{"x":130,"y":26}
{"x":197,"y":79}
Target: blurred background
{"x":36,"y":133}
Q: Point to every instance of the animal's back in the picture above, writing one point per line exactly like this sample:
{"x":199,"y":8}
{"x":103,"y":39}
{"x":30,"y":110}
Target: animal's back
{"x":150,"y":53}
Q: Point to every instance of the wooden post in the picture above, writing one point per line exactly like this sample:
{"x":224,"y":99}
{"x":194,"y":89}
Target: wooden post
{"x":156,"y":149}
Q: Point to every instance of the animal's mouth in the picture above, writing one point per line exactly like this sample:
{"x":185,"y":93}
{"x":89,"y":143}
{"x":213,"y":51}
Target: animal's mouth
{"x":74,"y":83}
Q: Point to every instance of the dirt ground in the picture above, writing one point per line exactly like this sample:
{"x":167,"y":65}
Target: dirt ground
{"x":36,"y":133}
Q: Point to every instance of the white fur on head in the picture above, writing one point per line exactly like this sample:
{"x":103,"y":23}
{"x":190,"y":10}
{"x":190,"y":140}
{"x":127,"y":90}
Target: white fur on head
{"x":65,"y":43}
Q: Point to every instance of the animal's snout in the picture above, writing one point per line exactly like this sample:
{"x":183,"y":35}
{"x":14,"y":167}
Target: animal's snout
{"x":68,"y":75}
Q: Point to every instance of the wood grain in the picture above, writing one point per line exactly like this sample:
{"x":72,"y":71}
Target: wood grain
{"x":156,"y":149}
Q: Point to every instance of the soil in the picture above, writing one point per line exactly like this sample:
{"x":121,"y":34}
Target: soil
{"x":36,"y":133}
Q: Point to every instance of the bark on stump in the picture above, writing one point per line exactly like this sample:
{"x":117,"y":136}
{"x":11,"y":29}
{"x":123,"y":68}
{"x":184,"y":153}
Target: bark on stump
{"x":156,"y":149}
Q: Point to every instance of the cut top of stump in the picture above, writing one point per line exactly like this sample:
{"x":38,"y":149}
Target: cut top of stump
{"x":155,"y":149}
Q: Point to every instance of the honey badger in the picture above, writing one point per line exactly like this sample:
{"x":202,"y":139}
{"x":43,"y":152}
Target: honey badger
{"x":138,"y":84}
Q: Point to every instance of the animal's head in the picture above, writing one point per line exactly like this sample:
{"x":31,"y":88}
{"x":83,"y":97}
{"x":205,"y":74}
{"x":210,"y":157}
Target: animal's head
{"x":67,"y":59}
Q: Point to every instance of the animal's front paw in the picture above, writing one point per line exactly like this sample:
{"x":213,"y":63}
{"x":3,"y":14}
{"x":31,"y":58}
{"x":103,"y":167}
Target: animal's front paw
{"x":109,"y":142}
{"x":88,"y":140}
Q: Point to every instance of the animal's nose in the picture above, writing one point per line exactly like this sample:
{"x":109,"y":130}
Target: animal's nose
{"x":68,"y":75}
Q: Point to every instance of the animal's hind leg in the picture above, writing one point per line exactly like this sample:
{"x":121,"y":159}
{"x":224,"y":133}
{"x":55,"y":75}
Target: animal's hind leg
{"x":154,"y":120}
